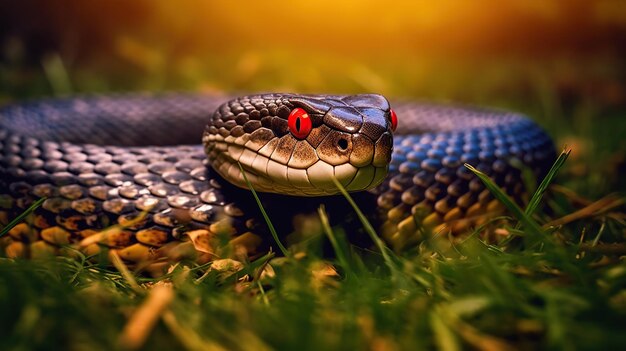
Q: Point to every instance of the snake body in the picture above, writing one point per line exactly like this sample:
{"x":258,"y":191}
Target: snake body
{"x":126,"y":172}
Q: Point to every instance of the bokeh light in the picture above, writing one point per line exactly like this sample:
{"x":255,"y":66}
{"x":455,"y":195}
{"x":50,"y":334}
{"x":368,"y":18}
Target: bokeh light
{"x":401,"y":47}
{"x":560,"y":61}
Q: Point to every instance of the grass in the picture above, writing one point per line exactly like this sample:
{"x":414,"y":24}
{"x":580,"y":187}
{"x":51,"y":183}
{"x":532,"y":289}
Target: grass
{"x":556,"y":293}
{"x":551,"y":275}
{"x":265,"y":216}
{"x":21,"y":217}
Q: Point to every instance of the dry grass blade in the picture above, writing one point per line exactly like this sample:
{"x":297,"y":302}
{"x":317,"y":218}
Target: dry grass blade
{"x":141,"y":323}
{"x":601,"y":206}
{"x":608,"y":249}
{"x":570,"y":195}
{"x":123,"y":269}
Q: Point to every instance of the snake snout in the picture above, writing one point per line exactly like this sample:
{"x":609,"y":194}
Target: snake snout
{"x":360,"y":140}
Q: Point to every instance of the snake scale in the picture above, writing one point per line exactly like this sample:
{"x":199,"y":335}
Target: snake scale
{"x":126,"y":173}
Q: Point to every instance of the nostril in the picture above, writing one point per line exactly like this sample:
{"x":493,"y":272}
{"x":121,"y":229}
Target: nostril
{"x":342,"y":144}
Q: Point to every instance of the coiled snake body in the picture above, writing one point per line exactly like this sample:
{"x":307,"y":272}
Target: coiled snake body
{"x":126,"y":173}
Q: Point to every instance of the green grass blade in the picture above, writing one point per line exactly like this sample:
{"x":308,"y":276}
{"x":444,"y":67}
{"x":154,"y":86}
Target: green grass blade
{"x":529,"y":179}
{"x":547,"y":180}
{"x":282,"y":248}
{"x":533,"y":228}
{"x":339,"y":250}
{"x":129,"y":277}
{"x":443,"y":335}
{"x":21,"y":217}
{"x":384,"y":250}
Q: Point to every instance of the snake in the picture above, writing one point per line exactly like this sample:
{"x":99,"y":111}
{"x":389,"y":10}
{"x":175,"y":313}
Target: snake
{"x":162,"y":177}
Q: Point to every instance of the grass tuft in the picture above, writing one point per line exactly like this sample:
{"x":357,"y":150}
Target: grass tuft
{"x":534,"y":233}
{"x":369,"y":229}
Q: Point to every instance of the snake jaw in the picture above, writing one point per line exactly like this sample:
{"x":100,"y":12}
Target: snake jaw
{"x":350,"y":141}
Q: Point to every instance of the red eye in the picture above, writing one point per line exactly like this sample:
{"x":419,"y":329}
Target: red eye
{"x":299,"y":123}
{"x":394,"y":120}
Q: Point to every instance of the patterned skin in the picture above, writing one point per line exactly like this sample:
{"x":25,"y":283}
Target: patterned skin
{"x":123,"y":173}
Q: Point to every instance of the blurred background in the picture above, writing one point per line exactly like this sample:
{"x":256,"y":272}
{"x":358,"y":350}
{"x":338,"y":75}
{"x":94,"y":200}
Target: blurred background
{"x":560,"y":61}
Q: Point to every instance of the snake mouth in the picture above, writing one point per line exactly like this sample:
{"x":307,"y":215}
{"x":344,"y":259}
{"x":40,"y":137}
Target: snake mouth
{"x":266,"y":174}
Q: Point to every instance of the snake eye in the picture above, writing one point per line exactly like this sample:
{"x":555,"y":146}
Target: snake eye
{"x":299,"y":123}
{"x":394,"y":120}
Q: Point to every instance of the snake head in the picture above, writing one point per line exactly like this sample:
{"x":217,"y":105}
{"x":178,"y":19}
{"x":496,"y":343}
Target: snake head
{"x":295,"y":144}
